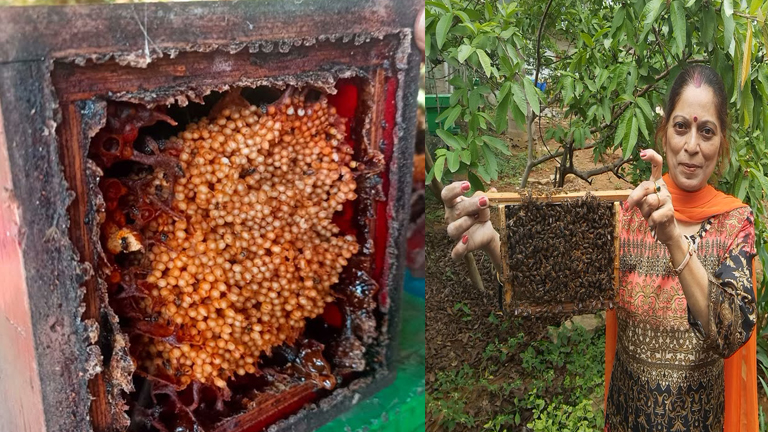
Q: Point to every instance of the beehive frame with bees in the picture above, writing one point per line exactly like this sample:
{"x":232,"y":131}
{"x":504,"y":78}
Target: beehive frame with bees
{"x":551,"y":274}
{"x":65,"y":75}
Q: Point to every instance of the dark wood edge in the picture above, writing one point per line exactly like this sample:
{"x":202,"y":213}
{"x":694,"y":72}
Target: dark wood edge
{"x":616,"y":243}
{"x":507,"y":286}
{"x":523,"y":308}
{"x":512,"y":198}
{"x":133,"y":31}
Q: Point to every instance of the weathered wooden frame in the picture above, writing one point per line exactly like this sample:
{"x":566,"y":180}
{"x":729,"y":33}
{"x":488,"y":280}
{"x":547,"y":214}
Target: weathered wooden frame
{"x":508,"y":297}
{"x":48,"y":292}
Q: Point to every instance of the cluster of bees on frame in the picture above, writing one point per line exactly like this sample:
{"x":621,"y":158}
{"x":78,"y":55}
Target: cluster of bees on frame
{"x":561,"y":253}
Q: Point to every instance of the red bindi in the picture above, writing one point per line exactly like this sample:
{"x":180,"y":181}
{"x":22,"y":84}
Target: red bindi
{"x":695,"y":119}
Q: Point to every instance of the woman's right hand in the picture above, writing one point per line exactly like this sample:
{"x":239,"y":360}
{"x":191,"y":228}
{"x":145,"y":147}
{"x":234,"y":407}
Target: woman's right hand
{"x":469,"y":223}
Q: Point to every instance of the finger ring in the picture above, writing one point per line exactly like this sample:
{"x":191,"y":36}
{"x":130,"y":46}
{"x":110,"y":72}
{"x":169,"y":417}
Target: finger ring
{"x":658,"y":197}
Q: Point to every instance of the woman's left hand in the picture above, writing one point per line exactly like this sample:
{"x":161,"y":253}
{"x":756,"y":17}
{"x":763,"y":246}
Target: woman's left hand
{"x":655,"y":203}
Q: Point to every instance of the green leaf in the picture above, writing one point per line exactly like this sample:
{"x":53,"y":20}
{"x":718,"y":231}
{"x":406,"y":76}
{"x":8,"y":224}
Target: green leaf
{"x":708,"y":22}
{"x":578,"y":138}
{"x":620,"y":130}
{"x":490,"y":162}
{"x":728,"y":7}
{"x":439,"y":167}
{"x":485,"y":61}
{"x":651,"y":12}
{"x":427,"y":44}
{"x":430,"y":175}
{"x":728,"y":26}
{"x":508,"y":32}
{"x":473,"y":124}
{"x":755,"y":6}
{"x":475,"y":181}
{"x":465,"y":157}
{"x":437,"y":5}
{"x":741,"y":187}
{"x":443,"y":115}
{"x":449,"y":139}
{"x":646,"y":107}
{"x":567,"y":90}
{"x":678,"y":23}
{"x":601,"y":32}
{"x":501,"y":114}
{"x":606,"y":110}
{"x":531,"y":95}
{"x":618,"y":19}
{"x":587,"y":39}
{"x":497,"y":143}
{"x":518,"y":114}
{"x":474,"y":151}
{"x":457,"y":82}
{"x":747,"y":104}
{"x":453,"y":161}
{"x":463,"y":16}
{"x":464,"y":52}
{"x":457,"y":96}
{"x":483,"y":173}
{"x":441,"y":32}
{"x":632,"y":139}
{"x":641,"y":123}
{"x":475,"y":98}
{"x":504,"y":90}
{"x":451,"y":118}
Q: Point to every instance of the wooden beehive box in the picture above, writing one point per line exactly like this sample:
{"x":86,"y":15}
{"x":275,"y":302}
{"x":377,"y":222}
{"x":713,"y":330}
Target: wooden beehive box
{"x":61,"y":367}
{"x":513,"y":298}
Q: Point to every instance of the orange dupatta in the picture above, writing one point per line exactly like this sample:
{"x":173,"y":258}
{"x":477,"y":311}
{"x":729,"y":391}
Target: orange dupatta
{"x":740,"y":369}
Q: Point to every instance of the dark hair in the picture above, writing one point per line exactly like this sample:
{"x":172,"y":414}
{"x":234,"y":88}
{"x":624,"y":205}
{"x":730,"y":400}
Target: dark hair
{"x":698,"y":75}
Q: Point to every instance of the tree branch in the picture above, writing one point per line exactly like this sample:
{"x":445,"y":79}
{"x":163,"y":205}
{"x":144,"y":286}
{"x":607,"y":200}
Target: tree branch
{"x":658,"y":44}
{"x":585,"y":175}
{"x":531,"y":116}
{"x":538,"y":42}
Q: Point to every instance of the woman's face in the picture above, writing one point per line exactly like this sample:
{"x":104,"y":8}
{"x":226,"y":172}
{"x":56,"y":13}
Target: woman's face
{"x":693,"y":138}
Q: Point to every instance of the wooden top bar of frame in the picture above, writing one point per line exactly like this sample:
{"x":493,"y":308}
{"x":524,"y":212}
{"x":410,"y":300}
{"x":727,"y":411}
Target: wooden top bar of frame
{"x":506,"y":198}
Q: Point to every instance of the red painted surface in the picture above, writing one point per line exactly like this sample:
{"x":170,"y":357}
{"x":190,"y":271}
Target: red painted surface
{"x":384,"y":209}
{"x":332,"y":315}
{"x":21,"y":405}
{"x":345,"y":102}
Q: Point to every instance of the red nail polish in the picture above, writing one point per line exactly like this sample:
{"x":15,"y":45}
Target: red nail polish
{"x":465,"y":239}
{"x":465,"y":186}
{"x":642,"y":153}
{"x":483,"y":201}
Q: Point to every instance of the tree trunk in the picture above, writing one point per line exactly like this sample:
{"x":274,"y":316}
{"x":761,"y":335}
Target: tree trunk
{"x":529,"y":130}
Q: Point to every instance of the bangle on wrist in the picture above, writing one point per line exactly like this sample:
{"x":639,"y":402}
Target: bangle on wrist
{"x":688,"y":255}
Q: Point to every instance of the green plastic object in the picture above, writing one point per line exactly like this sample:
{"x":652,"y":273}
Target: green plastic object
{"x":432,"y":102}
{"x":401,"y":406}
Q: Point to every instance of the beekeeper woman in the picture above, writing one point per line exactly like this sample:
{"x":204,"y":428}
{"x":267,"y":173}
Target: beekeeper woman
{"x":680,"y":348}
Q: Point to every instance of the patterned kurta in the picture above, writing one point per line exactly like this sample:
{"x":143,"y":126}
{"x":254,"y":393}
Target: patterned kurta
{"x":667,"y":376}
